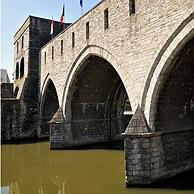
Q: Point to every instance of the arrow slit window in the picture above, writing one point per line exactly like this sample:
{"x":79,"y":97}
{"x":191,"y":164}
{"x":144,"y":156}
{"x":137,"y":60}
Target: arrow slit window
{"x":132,"y":7}
{"x":106,"y":22}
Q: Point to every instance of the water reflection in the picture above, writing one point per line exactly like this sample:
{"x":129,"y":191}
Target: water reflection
{"x":33,"y":168}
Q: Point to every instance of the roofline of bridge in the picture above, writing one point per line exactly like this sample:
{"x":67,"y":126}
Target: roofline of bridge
{"x":72,"y":24}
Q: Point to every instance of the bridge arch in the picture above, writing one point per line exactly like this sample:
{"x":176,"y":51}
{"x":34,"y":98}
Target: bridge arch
{"x":84,"y":54}
{"x":95,"y":99}
{"x":165,"y":63}
{"x":48,"y":106}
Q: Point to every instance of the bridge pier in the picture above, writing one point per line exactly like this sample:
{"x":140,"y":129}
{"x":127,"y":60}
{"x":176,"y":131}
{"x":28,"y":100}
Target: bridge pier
{"x":152,"y":156}
{"x":59,"y":133}
{"x":61,"y":136}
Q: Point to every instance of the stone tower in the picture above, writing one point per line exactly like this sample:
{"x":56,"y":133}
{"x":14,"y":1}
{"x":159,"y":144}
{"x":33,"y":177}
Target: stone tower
{"x":33,"y":34}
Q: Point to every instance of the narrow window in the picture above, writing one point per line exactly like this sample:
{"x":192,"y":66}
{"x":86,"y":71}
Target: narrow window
{"x":52,"y":52}
{"x":87,"y":31}
{"x":132,"y":6}
{"x":22,"y":41}
{"x":22,"y":68}
{"x":17,"y":47}
{"x":106,"y":23}
{"x":73,"y":39}
{"x":45,"y":58}
{"x":17,"y":71}
{"x":61,"y":47}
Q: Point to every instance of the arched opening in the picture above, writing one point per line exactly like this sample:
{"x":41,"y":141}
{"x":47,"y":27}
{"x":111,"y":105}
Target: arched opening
{"x":50,"y":106}
{"x":97,"y":104}
{"x":22,"y":68}
{"x":175,"y":107}
{"x":17,"y":71}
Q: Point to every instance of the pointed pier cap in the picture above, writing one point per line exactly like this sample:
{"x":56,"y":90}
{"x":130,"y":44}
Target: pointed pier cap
{"x":58,"y":117}
{"x":138,"y":124}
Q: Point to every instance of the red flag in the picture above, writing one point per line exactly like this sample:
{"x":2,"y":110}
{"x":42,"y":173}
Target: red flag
{"x":62,"y":16}
{"x":52,"y":26}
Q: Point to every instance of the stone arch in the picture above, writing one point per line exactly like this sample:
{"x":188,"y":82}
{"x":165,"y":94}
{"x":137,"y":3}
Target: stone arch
{"x":47,"y":78}
{"x":42,"y":91}
{"x":17,"y":71}
{"x":163,"y":63}
{"x":96,"y":103}
{"x":84,"y":54}
{"x":49,"y":106}
{"x":22,"y":68}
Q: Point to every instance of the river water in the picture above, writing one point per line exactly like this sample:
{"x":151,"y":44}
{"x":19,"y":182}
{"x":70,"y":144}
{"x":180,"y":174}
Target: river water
{"x":34,"y":169}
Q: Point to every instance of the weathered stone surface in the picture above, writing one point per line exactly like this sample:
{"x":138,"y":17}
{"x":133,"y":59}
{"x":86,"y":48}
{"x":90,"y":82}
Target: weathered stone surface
{"x":98,"y":82}
{"x":137,"y":124}
{"x":173,"y":155}
{"x":9,"y":119}
{"x":6,"y":90}
{"x":58,"y":117}
{"x":34,"y":33}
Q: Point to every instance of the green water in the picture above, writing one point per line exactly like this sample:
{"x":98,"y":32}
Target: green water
{"x":34,"y":169}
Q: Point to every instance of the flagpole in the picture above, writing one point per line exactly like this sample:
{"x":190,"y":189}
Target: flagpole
{"x":62,"y":18}
{"x":52,"y":26}
{"x":64,"y":14}
{"x":82,"y":6}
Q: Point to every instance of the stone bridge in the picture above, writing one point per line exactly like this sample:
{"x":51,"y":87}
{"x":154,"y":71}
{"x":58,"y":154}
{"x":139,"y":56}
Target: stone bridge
{"x":124,"y":69}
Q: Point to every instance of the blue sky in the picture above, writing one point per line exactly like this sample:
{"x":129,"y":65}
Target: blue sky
{"x":15,"y":12}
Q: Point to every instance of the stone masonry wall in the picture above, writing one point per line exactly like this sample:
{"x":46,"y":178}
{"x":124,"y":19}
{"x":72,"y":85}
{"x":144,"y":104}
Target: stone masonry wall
{"x":6,"y":90}
{"x":154,"y":156}
{"x":129,"y":44}
{"x":33,"y":34}
{"x":9,"y":118}
{"x":131,"y":40}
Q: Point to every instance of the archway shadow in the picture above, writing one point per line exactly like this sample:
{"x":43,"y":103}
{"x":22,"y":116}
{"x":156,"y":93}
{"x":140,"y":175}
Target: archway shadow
{"x":24,"y":141}
{"x":182,"y":181}
{"x":113,"y":145}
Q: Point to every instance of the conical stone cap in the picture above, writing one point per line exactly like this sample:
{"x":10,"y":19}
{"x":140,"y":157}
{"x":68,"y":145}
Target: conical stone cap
{"x":58,"y":117}
{"x":138,"y":123}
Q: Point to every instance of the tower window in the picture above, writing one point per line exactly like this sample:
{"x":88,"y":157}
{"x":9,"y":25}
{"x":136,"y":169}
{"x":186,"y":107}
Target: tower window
{"x":61,"y":47}
{"x":87,"y":30}
{"x":17,"y":71}
{"x":73,"y":39}
{"x":22,"y":41}
{"x":22,"y":68}
{"x":52,"y":52}
{"x":45,"y":58}
{"x":106,"y":22}
{"x":132,"y":6}
{"x":17,"y":45}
